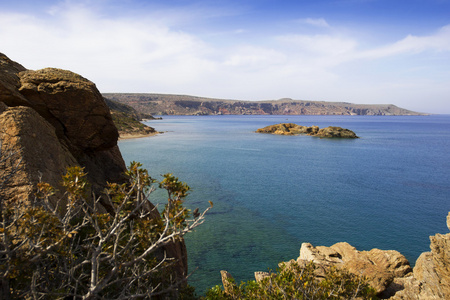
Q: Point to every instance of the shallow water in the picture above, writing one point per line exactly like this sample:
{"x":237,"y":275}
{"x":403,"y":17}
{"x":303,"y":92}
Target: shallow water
{"x":390,"y":189}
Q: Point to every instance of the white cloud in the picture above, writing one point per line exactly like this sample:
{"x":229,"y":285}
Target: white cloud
{"x":118,"y":50}
{"x":254,"y":57}
{"x":147,"y":54}
{"x":321,"y":22}
{"x":318,"y":45}
{"x":439,"y":41}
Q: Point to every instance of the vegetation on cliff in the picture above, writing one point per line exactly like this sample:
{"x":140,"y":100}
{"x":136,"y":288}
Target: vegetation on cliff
{"x":295,"y":281}
{"x":77,"y":250}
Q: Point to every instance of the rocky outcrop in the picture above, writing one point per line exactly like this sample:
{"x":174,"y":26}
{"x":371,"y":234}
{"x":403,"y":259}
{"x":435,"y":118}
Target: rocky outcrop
{"x":431,"y":274}
{"x":294,"y":129}
{"x":380,"y":267}
{"x":166,"y":104}
{"x":387,"y":271}
{"x":75,"y":115}
{"x":10,"y":82}
{"x":227,"y":281}
{"x":36,"y":152}
{"x":288,"y":129}
{"x":335,"y":132}
{"x":51,"y":119}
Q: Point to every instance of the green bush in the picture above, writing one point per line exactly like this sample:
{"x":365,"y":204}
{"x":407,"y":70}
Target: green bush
{"x":77,"y":249}
{"x":293,"y":281}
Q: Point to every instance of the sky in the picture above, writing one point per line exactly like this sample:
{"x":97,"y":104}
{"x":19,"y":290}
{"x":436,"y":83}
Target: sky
{"x":358,"y":51}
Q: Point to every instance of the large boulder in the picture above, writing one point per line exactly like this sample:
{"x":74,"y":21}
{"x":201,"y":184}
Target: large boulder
{"x":380,"y":267}
{"x":76,"y":113}
{"x":35,"y":153}
{"x":81,"y":118}
{"x":73,"y":105}
{"x":10,"y":82}
{"x":284,"y":129}
{"x":335,"y":132}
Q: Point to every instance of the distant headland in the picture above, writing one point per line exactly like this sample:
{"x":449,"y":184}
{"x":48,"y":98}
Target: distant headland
{"x":166,"y":104}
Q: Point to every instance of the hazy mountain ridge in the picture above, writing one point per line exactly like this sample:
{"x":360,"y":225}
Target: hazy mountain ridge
{"x":167,"y":104}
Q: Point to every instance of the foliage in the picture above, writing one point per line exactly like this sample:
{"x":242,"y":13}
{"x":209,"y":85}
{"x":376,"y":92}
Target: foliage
{"x":293,"y":281}
{"x":74,"y":248}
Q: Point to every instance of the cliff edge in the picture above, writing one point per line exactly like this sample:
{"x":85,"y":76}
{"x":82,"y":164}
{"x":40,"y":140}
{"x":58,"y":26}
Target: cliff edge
{"x":51,"y":119}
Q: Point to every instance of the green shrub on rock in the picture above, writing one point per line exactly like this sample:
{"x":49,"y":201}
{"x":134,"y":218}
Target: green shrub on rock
{"x":293,"y":281}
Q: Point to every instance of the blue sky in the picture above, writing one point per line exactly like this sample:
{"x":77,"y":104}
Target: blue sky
{"x":360,"y":51}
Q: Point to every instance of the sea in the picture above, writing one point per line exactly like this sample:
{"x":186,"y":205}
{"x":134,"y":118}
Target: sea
{"x":389,"y":189}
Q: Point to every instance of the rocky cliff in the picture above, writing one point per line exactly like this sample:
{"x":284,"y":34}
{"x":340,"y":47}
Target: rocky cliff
{"x":161,"y":104}
{"x":54,"y":118}
{"x":51,"y":119}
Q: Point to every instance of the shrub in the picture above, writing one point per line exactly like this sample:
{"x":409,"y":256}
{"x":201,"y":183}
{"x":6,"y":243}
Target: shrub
{"x":77,"y":250}
{"x":293,"y":281}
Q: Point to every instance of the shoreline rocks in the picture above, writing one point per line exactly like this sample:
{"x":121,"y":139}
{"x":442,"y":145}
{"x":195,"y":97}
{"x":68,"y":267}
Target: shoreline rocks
{"x":380,"y":267}
{"x":294,"y":129}
{"x":387,"y":271}
{"x":431,"y":274}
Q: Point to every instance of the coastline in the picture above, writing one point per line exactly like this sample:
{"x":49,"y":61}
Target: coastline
{"x":136,"y":136}
{"x":201,"y":145}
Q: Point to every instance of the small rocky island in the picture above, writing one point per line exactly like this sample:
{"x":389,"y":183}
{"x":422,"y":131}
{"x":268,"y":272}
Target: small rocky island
{"x":294,"y":129}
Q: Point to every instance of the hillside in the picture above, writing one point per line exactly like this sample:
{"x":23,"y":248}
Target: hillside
{"x":128,"y":120}
{"x":166,"y":104}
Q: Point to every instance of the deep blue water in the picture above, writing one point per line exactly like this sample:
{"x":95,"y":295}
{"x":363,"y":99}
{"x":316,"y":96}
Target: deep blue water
{"x":390,"y":189}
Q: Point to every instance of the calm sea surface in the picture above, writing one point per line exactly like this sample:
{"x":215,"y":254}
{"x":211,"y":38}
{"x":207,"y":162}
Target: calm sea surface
{"x":390,"y":189}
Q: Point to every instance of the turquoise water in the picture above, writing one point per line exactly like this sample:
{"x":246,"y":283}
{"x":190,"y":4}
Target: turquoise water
{"x":390,"y":189}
